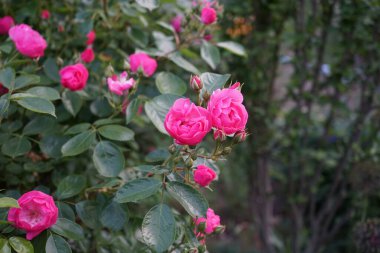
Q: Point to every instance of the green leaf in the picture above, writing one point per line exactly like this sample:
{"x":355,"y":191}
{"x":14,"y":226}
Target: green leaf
{"x":149,"y":4}
{"x":26,"y":80}
{"x":79,"y":128}
{"x":89,"y":212}
{"x":101,"y":107}
{"x":7,"y":78}
{"x":4,"y":105}
{"x":116,"y":133}
{"x":37,"y":104}
{"x":45,"y":92}
{"x":164,"y":44}
{"x":6,"y":47}
{"x":212,"y":82}
{"x":40,"y":125}
{"x":132,"y":109}
{"x":8,"y":202}
{"x":51,"y":69}
{"x":78,"y":144}
{"x":138,"y":36}
{"x":210,"y":54}
{"x":51,"y":145}
{"x":72,"y":102}
{"x":56,"y":244}
{"x":113,"y":216}
{"x":108,"y":159}
{"x":68,"y":229}
{"x":4,"y":246}
{"x":193,"y":202}
{"x":233,"y":47}
{"x":183,"y":63}
{"x":158,"y":228}
{"x":137,"y":189}
{"x":102,"y":122}
{"x":16,"y":146}
{"x":21,"y":245}
{"x":65,"y":211}
{"x":158,"y":107}
{"x":168,"y":83}
{"x":70,"y":186}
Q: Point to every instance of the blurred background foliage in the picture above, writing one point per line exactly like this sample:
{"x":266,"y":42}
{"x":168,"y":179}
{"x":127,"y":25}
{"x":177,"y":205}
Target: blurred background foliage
{"x":309,"y":171}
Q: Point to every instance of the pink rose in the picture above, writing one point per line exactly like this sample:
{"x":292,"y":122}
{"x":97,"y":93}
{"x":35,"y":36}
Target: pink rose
{"x":176,"y":23}
{"x":5,"y":24}
{"x":45,"y":14}
{"x":227,"y":111}
{"x":3,"y":90}
{"x":143,"y":61}
{"x":87,"y":55}
{"x":37,"y":212}
{"x":212,"y":221}
{"x":91,"y":36}
{"x":196,"y":83}
{"x":119,"y":84}
{"x":204,"y":175}
{"x":208,"y":15}
{"x":187,"y":123}
{"x":28,"y":41}
{"x":74,"y":77}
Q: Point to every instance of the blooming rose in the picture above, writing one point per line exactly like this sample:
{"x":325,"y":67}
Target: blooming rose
{"x":45,"y":14}
{"x":37,"y":212}
{"x":118,"y":84}
{"x":74,"y":77}
{"x":28,"y":41}
{"x":143,"y":61}
{"x":176,"y":23}
{"x":212,"y":221}
{"x":187,"y":123}
{"x":204,"y":175}
{"x":3,"y":90}
{"x":227,"y":111}
{"x":91,"y":37}
{"x":87,"y":55}
{"x":5,"y":24}
{"x":208,"y":15}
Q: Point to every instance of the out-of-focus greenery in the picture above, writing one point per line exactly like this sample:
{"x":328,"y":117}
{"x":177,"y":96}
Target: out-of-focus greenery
{"x":310,"y":170}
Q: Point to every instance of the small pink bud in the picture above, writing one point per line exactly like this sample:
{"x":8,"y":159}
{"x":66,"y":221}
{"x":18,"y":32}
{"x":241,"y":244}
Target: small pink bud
{"x":219,"y":135}
{"x":235,"y":86}
{"x":45,"y":14}
{"x":196,"y":83}
{"x":240,"y":136}
{"x":207,"y":37}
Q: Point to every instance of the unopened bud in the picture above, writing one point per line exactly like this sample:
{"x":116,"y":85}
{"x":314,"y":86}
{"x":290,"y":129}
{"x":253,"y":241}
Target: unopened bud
{"x":219,"y":135}
{"x":240,"y":136}
{"x":126,"y":65}
{"x":235,"y":86}
{"x":172,"y":149}
{"x":189,"y":162}
{"x":196,"y":83}
{"x":227,"y":150}
{"x":109,"y":71}
{"x":60,"y":61}
{"x":219,"y":229}
{"x":206,"y":96}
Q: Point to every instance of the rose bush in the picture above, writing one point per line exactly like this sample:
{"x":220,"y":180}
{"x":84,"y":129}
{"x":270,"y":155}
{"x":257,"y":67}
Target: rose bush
{"x":84,"y":167}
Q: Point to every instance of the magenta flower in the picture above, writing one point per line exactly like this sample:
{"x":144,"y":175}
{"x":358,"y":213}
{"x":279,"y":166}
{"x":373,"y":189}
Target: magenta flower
{"x":204,"y":175}
{"x":119,"y":84}
{"x":208,"y":15}
{"x":142,"y":61}
{"x":212,"y":221}
{"x":91,"y":36}
{"x":28,"y":41}
{"x":87,"y":55}
{"x":74,"y":77}
{"x":45,"y":14}
{"x":187,"y":123}
{"x":176,"y":23}
{"x":37,"y":213}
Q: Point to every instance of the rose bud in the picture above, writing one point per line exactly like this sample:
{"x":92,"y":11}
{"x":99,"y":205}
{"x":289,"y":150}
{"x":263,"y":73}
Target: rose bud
{"x":219,"y":135}
{"x":74,"y":77}
{"x":204,"y":175}
{"x":196,"y":83}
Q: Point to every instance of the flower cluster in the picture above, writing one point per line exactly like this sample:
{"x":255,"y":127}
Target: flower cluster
{"x":188,"y":124}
